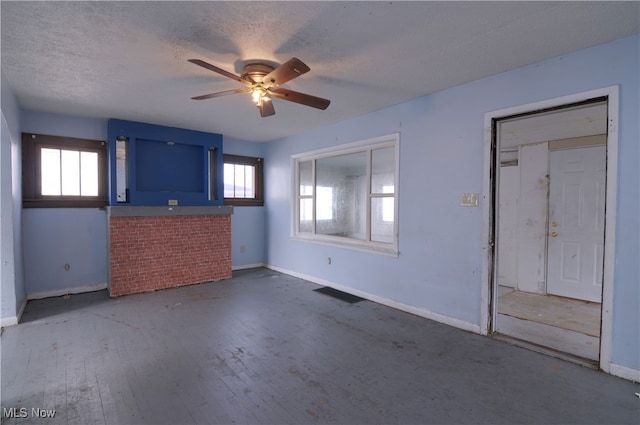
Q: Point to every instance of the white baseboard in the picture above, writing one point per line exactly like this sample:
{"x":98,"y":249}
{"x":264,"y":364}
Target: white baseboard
{"x":14,"y":320}
{"x":247,"y":266}
{"x":61,"y":292}
{"x":451,"y":321}
{"x":22,"y":307}
{"x":8,"y":321}
{"x":624,"y":372}
{"x":614,"y":369}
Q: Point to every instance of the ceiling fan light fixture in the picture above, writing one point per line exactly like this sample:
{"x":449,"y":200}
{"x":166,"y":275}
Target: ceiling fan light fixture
{"x":262,"y":81}
{"x":257,"y":96}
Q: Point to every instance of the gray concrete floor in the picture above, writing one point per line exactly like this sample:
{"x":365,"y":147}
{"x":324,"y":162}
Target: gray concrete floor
{"x":264,"y":348}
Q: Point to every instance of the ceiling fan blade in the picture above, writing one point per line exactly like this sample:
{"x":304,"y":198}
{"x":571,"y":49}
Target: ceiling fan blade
{"x":266,"y":108}
{"x":219,"y":71}
{"x":220,"y":93}
{"x":289,"y":70}
{"x":301,"y":98}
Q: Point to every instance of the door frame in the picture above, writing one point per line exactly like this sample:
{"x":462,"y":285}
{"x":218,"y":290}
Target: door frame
{"x":489,"y":227}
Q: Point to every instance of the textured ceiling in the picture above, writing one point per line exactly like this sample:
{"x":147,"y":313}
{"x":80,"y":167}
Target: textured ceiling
{"x":129,"y":59}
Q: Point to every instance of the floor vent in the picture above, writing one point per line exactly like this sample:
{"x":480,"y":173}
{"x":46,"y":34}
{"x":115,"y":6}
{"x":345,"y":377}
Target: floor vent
{"x":351,"y":299}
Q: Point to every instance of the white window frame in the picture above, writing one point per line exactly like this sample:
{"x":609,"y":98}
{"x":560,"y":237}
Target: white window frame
{"x":368,"y":145}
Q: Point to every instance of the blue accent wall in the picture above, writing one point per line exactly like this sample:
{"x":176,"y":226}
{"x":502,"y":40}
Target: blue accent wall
{"x":165,"y":163}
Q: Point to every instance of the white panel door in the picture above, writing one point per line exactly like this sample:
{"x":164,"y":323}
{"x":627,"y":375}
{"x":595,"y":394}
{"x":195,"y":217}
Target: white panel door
{"x":576,"y":222}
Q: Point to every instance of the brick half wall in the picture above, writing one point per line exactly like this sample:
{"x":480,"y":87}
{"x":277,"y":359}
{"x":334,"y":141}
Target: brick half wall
{"x":153,"y":253}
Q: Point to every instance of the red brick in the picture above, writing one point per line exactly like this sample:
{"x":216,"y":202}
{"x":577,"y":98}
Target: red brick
{"x":151,"y":253}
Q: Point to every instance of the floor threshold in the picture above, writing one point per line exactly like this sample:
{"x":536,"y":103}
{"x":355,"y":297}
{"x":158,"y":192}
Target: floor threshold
{"x":582,"y":361}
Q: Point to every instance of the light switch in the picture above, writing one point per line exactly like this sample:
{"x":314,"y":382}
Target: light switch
{"x":469,"y":200}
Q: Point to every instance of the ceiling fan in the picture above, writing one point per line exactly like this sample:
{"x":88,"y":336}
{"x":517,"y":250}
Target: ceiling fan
{"x":262,"y":81}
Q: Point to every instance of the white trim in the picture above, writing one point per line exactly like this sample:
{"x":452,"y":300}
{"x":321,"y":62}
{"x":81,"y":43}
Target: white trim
{"x":487,"y":201}
{"x":606,"y":337}
{"x":22,"y":307}
{"x":8,"y":321}
{"x":67,"y":291}
{"x":346,"y":148}
{"x":461,"y":324}
{"x":612,"y":93}
{"x":14,"y":320}
{"x":247,"y":266}
{"x":387,"y":141}
{"x":624,"y":372}
{"x":348,"y":243}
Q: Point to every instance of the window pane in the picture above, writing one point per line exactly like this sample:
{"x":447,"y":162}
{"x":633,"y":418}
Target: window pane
{"x":89,"y":173}
{"x":249,"y":179}
{"x":229,"y":180}
{"x":342,"y":204}
{"x":382,"y":219}
{"x":70,"y":172}
{"x":324,"y":203}
{"x":306,"y":178}
{"x":306,"y":208}
{"x":50,"y":172}
{"x":388,"y":210}
{"x":239,"y":181}
{"x":382,"y":170}
{"x":238,"y":184}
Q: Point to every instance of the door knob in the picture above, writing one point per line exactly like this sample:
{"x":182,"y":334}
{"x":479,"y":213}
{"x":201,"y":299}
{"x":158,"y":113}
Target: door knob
{"x":554,"y":234}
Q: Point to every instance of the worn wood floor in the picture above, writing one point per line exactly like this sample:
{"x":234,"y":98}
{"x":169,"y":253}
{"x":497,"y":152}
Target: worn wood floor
{"x":574,"y":315}
{"x":566,"y":325}
{"x":264,"y":348}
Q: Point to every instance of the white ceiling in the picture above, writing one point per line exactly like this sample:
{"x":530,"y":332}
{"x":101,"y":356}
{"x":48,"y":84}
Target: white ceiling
{"x":129,"y":59}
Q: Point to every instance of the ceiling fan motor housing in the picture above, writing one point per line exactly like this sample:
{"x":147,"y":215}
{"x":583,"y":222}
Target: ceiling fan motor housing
{"x":255,"y":72}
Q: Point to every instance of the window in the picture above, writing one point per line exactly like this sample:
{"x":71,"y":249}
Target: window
{"x":243,"y":183}
{"x":63,"y":172}
{"x":347,"y":196}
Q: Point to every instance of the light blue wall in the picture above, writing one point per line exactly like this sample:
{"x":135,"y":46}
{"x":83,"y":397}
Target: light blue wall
{"x":441,"y":156}
{"x":54,"y":237}
{"x":247,"y":223}
{"x":64,"y":125}
{"x":12,"y":290}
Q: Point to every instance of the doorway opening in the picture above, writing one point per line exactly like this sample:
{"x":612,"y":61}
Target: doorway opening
{"x":549,"y":269}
